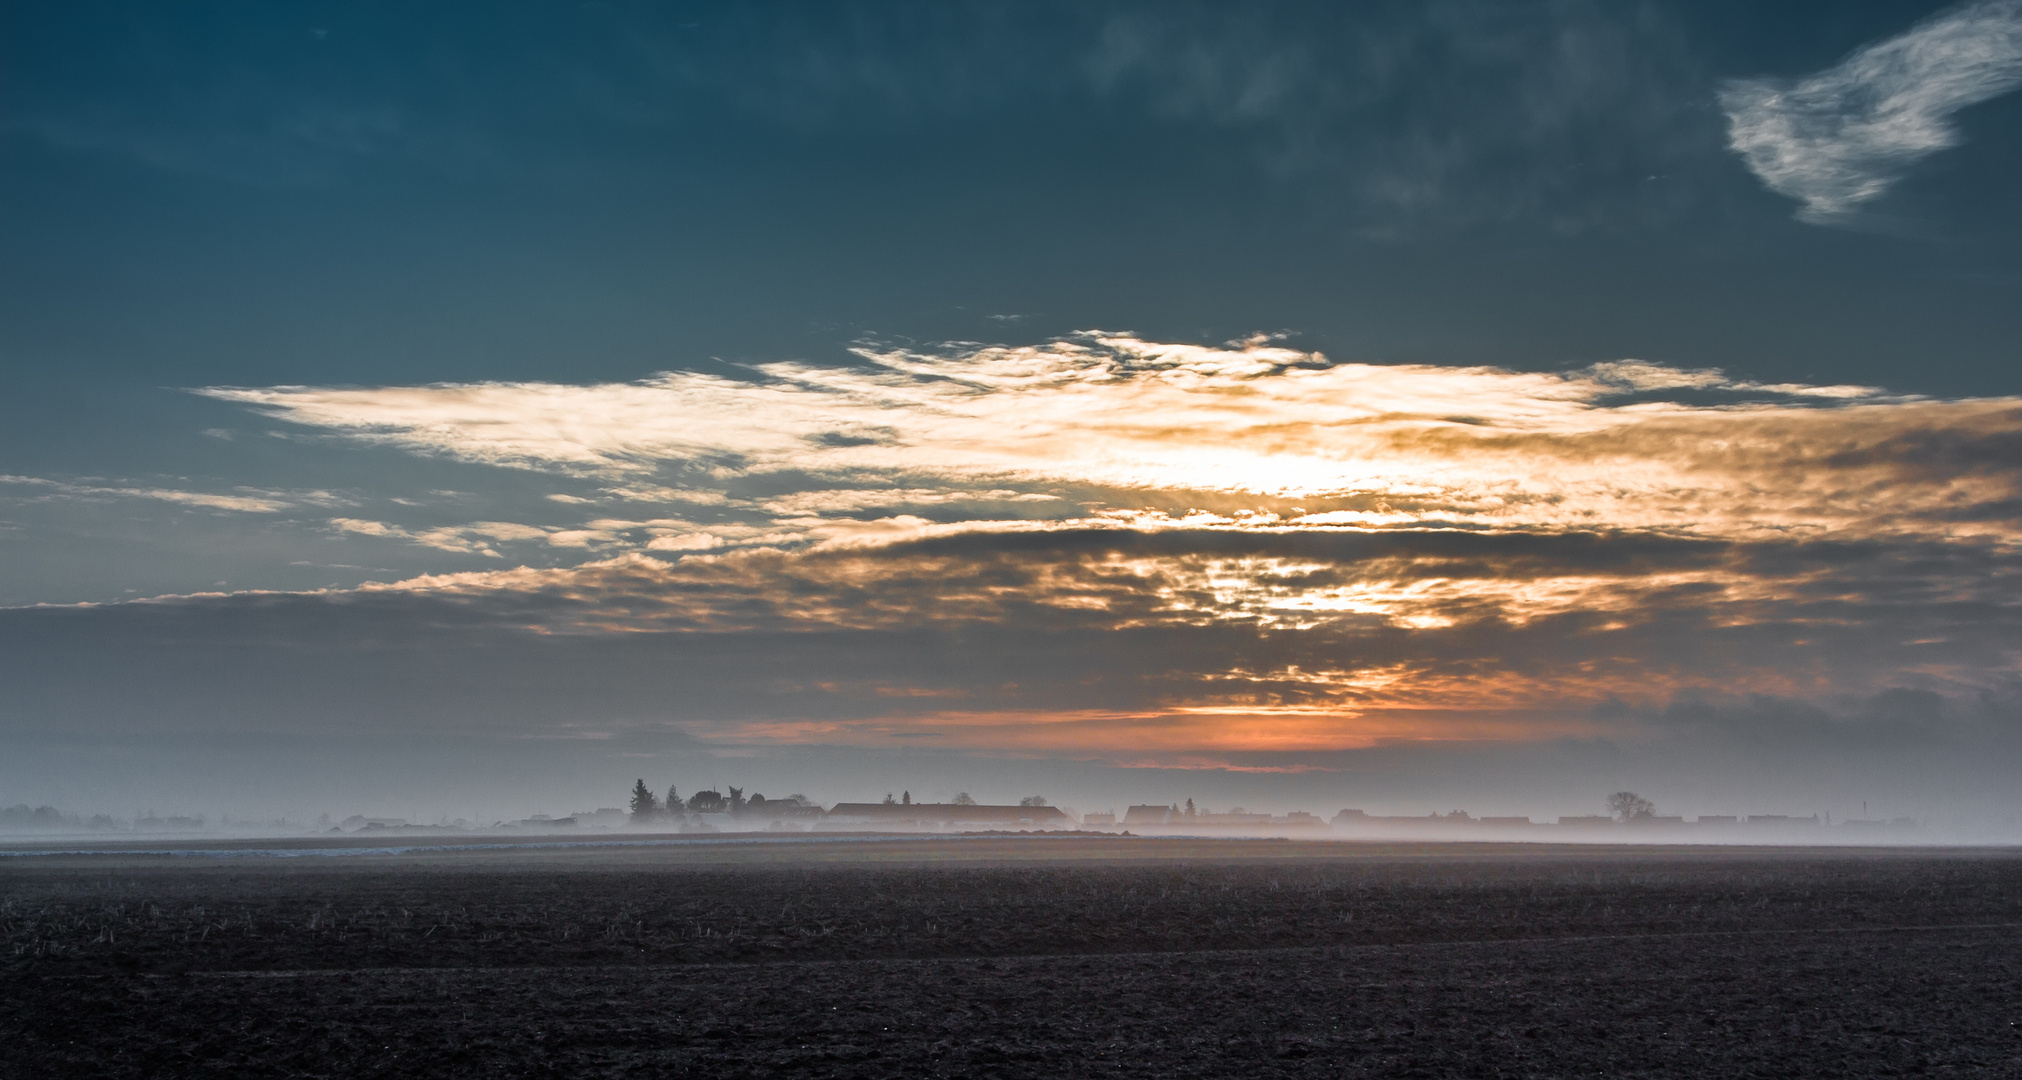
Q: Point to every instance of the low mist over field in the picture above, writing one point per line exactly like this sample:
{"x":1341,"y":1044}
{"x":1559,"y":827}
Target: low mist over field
{"x":429,"y":415}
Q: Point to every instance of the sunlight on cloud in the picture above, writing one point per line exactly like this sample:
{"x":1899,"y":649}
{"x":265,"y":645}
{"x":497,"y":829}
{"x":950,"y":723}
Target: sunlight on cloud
{"x":1254,"y":433}
{"x":1840,"y":138}
{"x":1415,"y":551}
{"x":476,"y":537}
{"x":984,"y":445}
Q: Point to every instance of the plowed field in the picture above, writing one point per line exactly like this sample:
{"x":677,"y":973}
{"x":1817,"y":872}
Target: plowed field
{"x":1016,"y":957}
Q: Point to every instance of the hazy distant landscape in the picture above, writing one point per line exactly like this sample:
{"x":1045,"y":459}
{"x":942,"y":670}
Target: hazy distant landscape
{"x":1631,"y":819}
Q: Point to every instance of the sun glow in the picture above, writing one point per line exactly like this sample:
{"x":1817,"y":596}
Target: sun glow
{"x":1394,"y":534}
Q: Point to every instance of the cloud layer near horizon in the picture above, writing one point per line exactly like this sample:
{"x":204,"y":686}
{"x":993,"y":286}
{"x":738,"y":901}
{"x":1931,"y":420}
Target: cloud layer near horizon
{"x":1408,"y":549}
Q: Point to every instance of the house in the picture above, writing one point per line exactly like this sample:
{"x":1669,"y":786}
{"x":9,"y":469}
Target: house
{"x":1233,"y":817}
{"x":1410,"y":823}
{"x":1587,"y":821}
{"x":1107,"y":817}
{"x":949,"y":814}
{"x":1149,"y":815}
{"x":782,"y":810}
{"x":1860,"y":824}
{"x":1506,"y":821}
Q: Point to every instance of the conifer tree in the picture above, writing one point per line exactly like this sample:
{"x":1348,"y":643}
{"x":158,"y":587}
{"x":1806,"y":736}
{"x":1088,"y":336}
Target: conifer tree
{"x":645,"y":805}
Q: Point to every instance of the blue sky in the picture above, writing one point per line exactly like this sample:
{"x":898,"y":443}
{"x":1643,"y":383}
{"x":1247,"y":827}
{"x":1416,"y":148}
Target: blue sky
{"x":1251,"y":401}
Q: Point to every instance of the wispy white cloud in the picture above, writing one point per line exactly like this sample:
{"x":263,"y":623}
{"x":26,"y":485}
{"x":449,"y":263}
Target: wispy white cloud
{"x":478,"y":537}
{"x":1840,"y":138}
{"x":246,"y":501}
{"x":1247,"y":435}
{"x":840,"y":500}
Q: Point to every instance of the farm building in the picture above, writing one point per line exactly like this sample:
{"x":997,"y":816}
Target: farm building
{"x":946,"y":814}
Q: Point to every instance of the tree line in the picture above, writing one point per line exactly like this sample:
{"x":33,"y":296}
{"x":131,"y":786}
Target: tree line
{"x":647,"y":805}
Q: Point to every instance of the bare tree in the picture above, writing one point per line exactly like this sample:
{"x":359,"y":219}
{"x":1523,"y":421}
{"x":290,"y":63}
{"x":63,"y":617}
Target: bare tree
{"x":1033,"y":800}
{"x":1629,"y":806}
{"x":962,"y":799}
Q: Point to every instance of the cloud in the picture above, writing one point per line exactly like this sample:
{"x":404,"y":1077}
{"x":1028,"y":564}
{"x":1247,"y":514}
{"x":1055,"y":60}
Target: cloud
{"x":1567,"y":117}
{"x":248,"y":501}
{"x":1123,"y":643}
{"x":1110,"y":427}
{"x":1411,"y":118}
{"x":1840,"y":138}
{"x":476,"y":537}
{"x":1251,"y":546}
{"x":1235,"y":639}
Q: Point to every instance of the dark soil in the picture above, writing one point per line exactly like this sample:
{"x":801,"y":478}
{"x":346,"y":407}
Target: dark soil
{"x":1032,"y":958}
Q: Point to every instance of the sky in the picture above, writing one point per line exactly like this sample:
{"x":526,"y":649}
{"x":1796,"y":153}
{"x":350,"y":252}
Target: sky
{"x":463,"y":409}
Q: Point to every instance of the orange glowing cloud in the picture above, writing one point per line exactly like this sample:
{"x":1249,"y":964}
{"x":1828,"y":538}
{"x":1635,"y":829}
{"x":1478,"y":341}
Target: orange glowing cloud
{"x":1410,"y":551}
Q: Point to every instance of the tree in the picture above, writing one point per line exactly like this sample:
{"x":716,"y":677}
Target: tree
{"x":1033,"y":800}
{"x":962,"y":799}
{"x":1628,"y":806}
{"x":1190,"y":808}
{"x":891,"y":799}
{"x":673,"y":802}
{"x":906,"y":799}
{"x":737,"y":800}
{"x":645,"y":805}
{"x":706,"y":802}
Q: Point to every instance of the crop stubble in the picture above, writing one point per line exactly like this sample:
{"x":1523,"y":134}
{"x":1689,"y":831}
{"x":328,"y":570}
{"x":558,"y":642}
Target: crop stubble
{"x":943,"y":959}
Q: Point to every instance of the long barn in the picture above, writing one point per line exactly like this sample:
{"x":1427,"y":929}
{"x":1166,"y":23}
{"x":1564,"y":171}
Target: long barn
{"x":946,"y":814}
